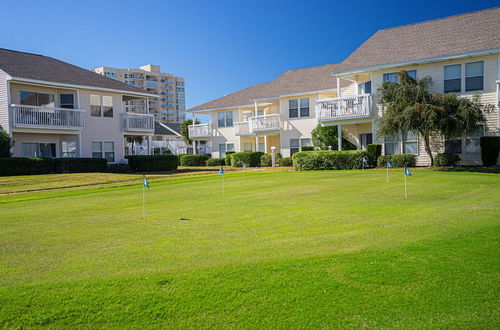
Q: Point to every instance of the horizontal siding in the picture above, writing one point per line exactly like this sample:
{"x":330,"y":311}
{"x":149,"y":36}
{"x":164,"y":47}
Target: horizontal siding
{"x":4,"y":102}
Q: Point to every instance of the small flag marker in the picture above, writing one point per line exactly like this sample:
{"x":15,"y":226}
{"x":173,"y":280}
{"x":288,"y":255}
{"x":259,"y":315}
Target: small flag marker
{"x":407,"y":173}
{"x":244,"y":166}
{"x":145,"y":183}
{"x":221,"y":174}
{"x":388,"y":166}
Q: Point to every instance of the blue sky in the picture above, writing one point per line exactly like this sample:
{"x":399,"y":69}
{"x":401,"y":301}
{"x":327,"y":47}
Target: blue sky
{"x":218,"y":46}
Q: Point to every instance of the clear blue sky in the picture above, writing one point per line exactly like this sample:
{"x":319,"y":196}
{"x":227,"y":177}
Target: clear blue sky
{"x":218,"y":46}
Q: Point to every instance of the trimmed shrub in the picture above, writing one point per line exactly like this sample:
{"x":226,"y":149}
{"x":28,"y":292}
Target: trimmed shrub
{"x":251,"y":158}
{"x":167,"y":152}
{"x":397,"y":160}
{"x":26,"y":166}
{"x":80,"y":165}
{"x":327,"y":160}
{"x":194,"y":160}
{"x":266,"y":160}
{"x":286,"y":161}
{"x":228,"y":157}
{"x":490,"y":148}
{"x":152,"y":163}
{"x":307,"y":148}
{"x":446,"y":159}
{"x":118,"y":168}
{"x":179,"y":156}
{"x":216,"y":162}
{"x":373,"y":151}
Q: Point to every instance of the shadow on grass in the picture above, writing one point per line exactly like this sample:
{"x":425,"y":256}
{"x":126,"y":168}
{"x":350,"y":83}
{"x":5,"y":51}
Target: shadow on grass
{"x":473,"y":169}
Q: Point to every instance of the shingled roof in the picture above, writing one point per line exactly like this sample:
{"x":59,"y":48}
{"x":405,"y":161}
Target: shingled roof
{"x":48,"y":69}
{"x":167,"y":128}
{"x":296,"y":81}
{"x":454,"y":35}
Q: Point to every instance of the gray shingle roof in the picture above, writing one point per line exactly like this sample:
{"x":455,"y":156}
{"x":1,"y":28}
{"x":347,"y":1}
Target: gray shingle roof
{"x":454,"y":35}
{"x":44,"y":68}
{"x":290,"y":82}
{"x":161,"y":128}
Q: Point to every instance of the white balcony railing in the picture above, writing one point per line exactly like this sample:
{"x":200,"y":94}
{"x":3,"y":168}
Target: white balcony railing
{"x":31,"y":116}
{"x":136,"y":122}
{"x":347,"y":107}
{"x":199,"y":131}
{"x":242,"y":128}
{"x":264,"y":123}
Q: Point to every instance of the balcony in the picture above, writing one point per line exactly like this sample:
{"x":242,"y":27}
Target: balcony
{"x":342,"y":108}
{"x":242,"y":128}
{"x":264,"y":123}
{"x":199,"y":131}
{"x":135,"y":122}
{"x":30,"y":116}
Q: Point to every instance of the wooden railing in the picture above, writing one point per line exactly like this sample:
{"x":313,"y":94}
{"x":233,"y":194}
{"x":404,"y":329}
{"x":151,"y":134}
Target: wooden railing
{"x":199,"y":131}
{"x":31,"y":116}
{"x":138,"y":122}
{"x":242,"y":128}
{"x":347,"y":107}
{"x":264,"y":123}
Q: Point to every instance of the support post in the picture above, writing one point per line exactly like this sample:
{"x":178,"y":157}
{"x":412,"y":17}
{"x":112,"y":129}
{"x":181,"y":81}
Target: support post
{"x":339,"y":128}
{"x":265,"y":144}
{"x":194,"y":147}
{"x":257,"y":143}
{"x":338,"y":87}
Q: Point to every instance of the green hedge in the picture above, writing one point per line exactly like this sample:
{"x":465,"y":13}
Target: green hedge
{"x":307,"y":148}
{"x":228,"y":157}
{"x":179,"y":156}
{"x":490,"y":148}
{"x":397,"y":160}
{"x":327,"y":160}
{"x":446,"y":159}
{"x":251,"y":158}
{"x":266,"y":160}
{"x":373,"y":151}
{"x":194,"y":160}
{"x":29,"y":166}
{"x":118,"y":168}
{"x":152,"y":163}
{"x":216,"y":162}
{"x":286,"y":161}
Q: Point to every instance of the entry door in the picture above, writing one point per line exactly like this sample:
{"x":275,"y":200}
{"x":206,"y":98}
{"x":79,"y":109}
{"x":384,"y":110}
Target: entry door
{"x":365,"y":140}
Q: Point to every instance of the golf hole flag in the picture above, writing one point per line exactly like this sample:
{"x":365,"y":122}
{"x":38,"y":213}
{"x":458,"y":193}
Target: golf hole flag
{"x":221,"y":174}
{"x":407,"y":173}
{"x":244,"y":165}
{"x":145,"y":181}
{"x":388,"y":166}
{"x":221,"y":171}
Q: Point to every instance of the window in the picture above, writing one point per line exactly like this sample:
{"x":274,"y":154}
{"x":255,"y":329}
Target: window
{"x":304,"y":107}
{"x":37,"y":99}
{"x":392,"y":77}
{"x":262,"y":147}
{"x":452,"y":78}
{"x":110,"y":74}
{"x":454,"y":145}
{"x":472,"y":145}
{"x":230,"y":147}
{"x":101,"y":106}
{"x":410,"y":143}
{"x":67,"y":101}
{"x":305,"y":142}
{"x":109,"y":151}
{"x":225,"y":119}
{"x":222,"y":150}
{"x":293,"y":108}
{"x":474,"y":76}
{"x":247,"y":146}
{"x":96,"y":149}
{"x":39,"y":150}
{"x":412,"y":74}
{"x":68,"y":149}
{"x":294,"y":146}
{"x":365,"y":88}
{"x":391,"y":145}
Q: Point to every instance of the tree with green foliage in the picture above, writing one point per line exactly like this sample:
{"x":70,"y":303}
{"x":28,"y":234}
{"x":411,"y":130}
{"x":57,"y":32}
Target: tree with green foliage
{"x":5,"y":143}
{"x":325,"y":136}
{"x":185,"y":130}
{"x":409,"y":106}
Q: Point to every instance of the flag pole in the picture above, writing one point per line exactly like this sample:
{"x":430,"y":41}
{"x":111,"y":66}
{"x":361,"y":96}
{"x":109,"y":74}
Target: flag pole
{"x":406,"y":192}
{"x":143,"y":204}
{"x":387,"y":167}
{"x":222,"y":182}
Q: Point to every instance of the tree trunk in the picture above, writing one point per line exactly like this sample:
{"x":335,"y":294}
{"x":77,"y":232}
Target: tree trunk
{"x":428,"y":148}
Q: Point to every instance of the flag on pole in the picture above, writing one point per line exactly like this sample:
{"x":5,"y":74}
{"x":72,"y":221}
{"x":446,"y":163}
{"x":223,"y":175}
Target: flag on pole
{"x":145,"y":181}
{"x":221,"y":171}
{"x":407,"y":171}
{"x":221,"y":174}
{"x":244,"y":165}
{"x":389,"y":165}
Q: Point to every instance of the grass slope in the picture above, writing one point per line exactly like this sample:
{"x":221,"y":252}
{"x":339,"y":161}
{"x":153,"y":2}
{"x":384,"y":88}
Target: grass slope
{"x":282,"y":250}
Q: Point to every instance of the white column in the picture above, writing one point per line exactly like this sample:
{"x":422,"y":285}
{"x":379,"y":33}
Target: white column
{"x":149,"y":145}
{"x":338,"y":87}
{"x":256,"y":143}
{"x":80,"y":144}
{"x":256,"y":108}
{"x":340,"y":137}
{"x":265,"y":144}
{"x":194,"y":147}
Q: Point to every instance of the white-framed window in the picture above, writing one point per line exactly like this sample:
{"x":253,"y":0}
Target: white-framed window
{"x":391,"y":145}
{"x":96,"y":149}
{"x":67,"y":101}
{"x":410,"y":142}
{"x":225,"y":119}
{"x":101,"y":106}
{"x":298,"y":107}
{"x":247,"y":146}
{"x":294,"y":146}
{"x":453,"y":78}
{"x":305,"y":142}
{"x":365,"y":88}
{"x":474,"y":76}
{"x":104,"y":150}
{"x":230,"y":147}
{"x":35,"y":149}
{"x":222,"y":150}
{"x":393,"y":76}
{"x":37,"y":99}
{"x":68,"y":149}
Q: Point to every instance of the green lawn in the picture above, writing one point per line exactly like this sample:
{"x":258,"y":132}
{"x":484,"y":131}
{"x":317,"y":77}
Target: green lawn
{"x":280,"y":250}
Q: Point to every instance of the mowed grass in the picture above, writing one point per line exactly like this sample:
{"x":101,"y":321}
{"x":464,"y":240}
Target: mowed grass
{"x":323,"y":249}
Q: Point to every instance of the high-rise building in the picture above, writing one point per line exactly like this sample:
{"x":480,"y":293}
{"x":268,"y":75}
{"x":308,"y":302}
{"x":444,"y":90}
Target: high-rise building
{"x":169,"y":106}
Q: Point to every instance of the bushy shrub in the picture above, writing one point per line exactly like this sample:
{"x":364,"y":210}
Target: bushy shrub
{"x":228,"y":157}
{"x":307,"y":148}
{"x":490,"y":147}
{"x":80,"y":165}
{"x":216,"y":162}
{"x":446,"y":159}
{"x":251,"y":158}
{"x":179,"y":156}
{"x":152,"y":163}
{"x":327,"y":160}
{"x":373,"y":151}
{"x":194,"y":160}
{"x":118,"y":168}
{"x":286,"y":161}
{"x":167,"y":152}
{"x":397,"y":160}
{"x":266,"y":160}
